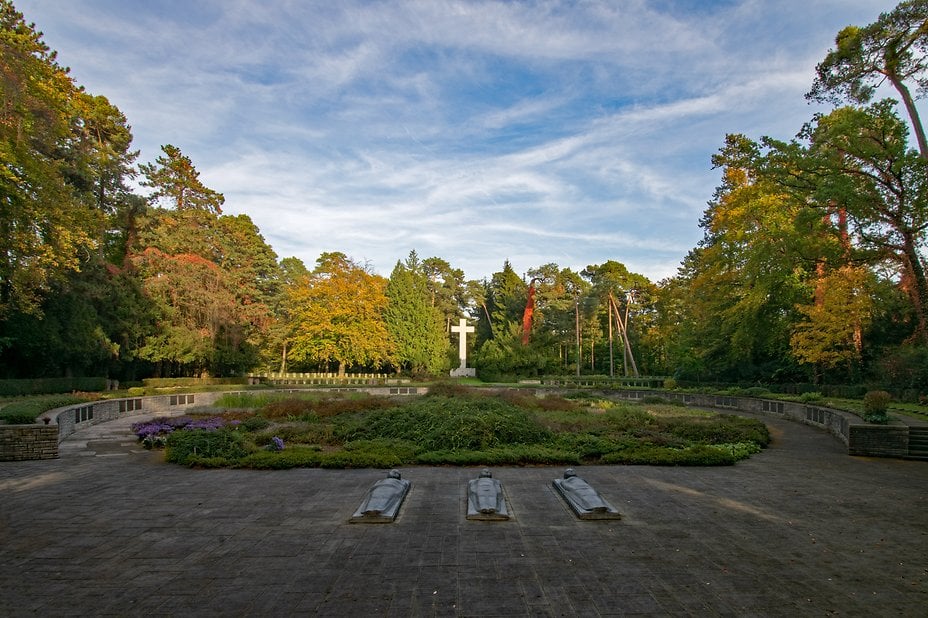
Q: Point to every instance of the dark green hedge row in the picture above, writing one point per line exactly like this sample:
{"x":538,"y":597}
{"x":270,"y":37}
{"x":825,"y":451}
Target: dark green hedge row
{"x":169,"y":382}
{"x":43,"y":386}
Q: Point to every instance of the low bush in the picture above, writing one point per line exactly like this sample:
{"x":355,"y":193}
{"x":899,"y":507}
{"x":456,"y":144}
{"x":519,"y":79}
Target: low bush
{"x":255,"y":423}
{"x":292,"y":457}
{"x":359,"y":459}
{"x":23,"y":416}
{"x":699,"y":455}
{"x":586,"y":446}
{"x":175,"y":382}
{"x":471,"y":423}
{"x":724,"y":428}
{"x":447,"y":388}
{"x":624,"y":419}
{"x":26,"y":411}
{"x":247,"y":400}
{"x":181,"y":446}
{"x":876,"y":403}
{"x":41,"y":386}
{"x":470,"y":429}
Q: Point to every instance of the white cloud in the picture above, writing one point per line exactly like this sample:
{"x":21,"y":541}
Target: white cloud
{"x":476,"y":131}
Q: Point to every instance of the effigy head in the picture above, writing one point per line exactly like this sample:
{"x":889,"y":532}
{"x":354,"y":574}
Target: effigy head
{"x":569,"y":473}
{"x":485,"y":473}
{"x":394,"y":474}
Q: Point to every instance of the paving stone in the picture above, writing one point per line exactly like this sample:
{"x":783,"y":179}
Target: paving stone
{"x":799,"y":529}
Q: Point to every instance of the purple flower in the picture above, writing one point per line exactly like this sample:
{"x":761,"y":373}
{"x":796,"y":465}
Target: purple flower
{"x":164,"y":426}
{"x":209,"y":424}
{"x":276,"y":444}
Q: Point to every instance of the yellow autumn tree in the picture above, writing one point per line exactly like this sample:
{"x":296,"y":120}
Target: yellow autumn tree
{"x":830,"y":335}
{"x":337,"y":315}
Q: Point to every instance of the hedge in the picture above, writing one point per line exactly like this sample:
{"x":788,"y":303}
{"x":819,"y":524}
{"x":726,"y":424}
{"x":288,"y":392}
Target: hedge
{"x":169,"y":382}
{"x":46,"y":386}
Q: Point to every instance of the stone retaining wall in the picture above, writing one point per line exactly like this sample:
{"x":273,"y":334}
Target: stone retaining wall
{"x":27,"y":442}
{"x":879,"y":441}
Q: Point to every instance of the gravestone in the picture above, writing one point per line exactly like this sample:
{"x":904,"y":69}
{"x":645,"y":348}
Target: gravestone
{"x":463,"y":371}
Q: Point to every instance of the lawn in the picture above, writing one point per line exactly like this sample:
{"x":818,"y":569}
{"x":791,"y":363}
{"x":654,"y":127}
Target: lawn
{"x":450,"y":426}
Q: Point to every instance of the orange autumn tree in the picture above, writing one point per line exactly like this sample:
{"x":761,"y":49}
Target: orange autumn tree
{"x":196,"y":308}
{"x":210,"y":277}
{"x":337,"y":315}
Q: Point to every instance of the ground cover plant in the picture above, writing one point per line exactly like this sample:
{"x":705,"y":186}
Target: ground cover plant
{"x":463,"y":427}
{"x":26,"y":411}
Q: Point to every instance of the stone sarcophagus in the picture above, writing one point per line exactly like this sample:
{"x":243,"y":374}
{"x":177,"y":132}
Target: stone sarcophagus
{"x":582,"y":499}
{"x":382,"y":501}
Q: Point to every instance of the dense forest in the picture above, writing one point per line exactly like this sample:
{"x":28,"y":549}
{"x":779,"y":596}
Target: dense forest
{"x":811,"y":267}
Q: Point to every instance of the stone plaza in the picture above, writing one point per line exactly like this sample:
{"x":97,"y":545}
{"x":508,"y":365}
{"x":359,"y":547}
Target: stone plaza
{"x":799,"y":529}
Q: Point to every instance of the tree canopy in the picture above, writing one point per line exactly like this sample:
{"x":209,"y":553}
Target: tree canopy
{"x":812,"y":264}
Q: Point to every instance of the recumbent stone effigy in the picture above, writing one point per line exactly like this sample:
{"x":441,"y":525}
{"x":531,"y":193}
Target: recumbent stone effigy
{"x":485,"y":499}
{"x":383,"y":500}
{"x":582,"y":499}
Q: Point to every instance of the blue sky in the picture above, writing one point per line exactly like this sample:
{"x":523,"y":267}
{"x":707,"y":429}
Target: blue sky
{"x":569,"y":132}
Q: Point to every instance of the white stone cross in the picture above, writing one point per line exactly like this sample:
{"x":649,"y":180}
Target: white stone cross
{"x":462,"y":329}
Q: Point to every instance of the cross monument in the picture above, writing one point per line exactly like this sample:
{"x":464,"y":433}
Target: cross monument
{"x":463,"y":371}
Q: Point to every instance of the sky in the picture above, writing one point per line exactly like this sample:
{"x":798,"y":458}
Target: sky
{"x":568,"y":132}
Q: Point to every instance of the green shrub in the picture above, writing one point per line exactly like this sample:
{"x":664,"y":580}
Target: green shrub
{"x":183,"y":445}
{"x":653,"y":399}
{"x":20,"y":417}
{"x":301,"y":433}
{"x":447,"y":388}
{"x":26,"y":411}
{"x":387,"y":453}
{"x":41,"y":386}
{"x":739,"y":450}
{"x":173,"y":382}
{"x":624,"y":419}
{"x":521,"y":455}
{"x":195,"y":461}
{"x":247,"y":400}
{"x":670,"y":384}
{"x":875,"y":405}
{"x":469,"y":423}
{"x":288,"y":408}
{"x":454,"y":458}
{"x":360,"y":459}
{"x":255,"y":423}
{"x":292,"y":457}
{"x":699,"y":455}
{"x":757,"y":391}
{"x":720,"y":429}
{"x":586,"y":446}
{"x":810,"y":397}
{"x":476,"y":429}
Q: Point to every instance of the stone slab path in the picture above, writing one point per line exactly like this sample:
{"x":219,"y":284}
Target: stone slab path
{"x":801,"y":529}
